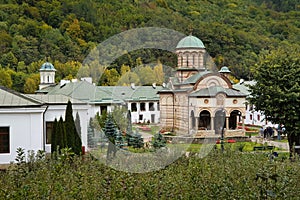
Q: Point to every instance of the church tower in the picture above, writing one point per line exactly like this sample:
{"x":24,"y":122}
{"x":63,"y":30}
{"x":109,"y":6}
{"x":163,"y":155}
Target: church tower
{"x":47,"y":75}
{"x":190,"y":53}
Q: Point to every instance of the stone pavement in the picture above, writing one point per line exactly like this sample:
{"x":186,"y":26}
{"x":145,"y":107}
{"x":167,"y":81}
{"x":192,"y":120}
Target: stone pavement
{"x":283,"y":145}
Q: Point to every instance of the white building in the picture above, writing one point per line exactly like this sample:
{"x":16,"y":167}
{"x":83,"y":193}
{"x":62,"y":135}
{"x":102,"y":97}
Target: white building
{"x":252,"y":117}
{"x":26,"y":121}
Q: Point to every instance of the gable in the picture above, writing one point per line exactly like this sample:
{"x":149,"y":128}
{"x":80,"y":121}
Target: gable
{"x":212,"y":80}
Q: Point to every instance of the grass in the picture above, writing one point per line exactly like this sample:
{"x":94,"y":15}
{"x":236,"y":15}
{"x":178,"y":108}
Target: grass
{"x":283,"y":140}
{"x":238,"y":146}
{"x":251,"y":134}
{"x":154,"y":128}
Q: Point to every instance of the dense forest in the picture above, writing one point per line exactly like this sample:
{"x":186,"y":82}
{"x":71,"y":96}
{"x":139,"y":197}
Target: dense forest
{"x":63,"y":32}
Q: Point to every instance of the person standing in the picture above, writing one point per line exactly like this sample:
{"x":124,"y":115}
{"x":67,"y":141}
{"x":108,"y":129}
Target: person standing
{"x":261,"y":132}
{"x":279,"y":130}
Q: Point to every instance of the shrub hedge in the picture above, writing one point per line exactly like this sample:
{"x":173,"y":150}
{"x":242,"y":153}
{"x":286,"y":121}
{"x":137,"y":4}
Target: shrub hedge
{"x":220,"y":175}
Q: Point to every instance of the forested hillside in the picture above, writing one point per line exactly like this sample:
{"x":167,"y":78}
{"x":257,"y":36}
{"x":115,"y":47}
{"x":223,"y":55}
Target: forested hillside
{"x":64,"y":31}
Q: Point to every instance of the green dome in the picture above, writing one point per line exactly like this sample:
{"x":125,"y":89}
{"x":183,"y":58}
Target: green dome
{"x":190,"y":42}
{"x":47,"y":67}
{"x":224,"y":69}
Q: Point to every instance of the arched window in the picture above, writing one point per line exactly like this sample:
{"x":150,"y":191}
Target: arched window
{"x":194,"y":60}
{"x":181,"y":61}
{"x":204,"y":120}
{"x":235,"y":117}
{"x":187,"y":60}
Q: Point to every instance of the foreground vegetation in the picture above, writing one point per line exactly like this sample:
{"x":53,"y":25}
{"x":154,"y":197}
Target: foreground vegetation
{"x":227,"y":175}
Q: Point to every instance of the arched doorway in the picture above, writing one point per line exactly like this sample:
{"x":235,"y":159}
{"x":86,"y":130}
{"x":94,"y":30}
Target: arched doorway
{"x":235,"y":117}
{"x":219,"y":121}
{"x":193,"y":119}
{"x":204,"y":120}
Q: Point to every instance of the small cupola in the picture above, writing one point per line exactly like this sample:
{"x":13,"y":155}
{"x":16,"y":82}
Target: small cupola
{"x":47,"y":75}
{"x":225,"y":71}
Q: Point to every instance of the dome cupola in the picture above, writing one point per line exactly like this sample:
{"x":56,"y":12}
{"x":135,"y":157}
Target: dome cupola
{"x":47,"y":75}
{"x":47,"y":67}
{"x":190,"y":42}
{"x":191,"y":53}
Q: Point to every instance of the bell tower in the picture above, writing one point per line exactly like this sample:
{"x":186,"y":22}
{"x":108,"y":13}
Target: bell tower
{"x":190,"y":53}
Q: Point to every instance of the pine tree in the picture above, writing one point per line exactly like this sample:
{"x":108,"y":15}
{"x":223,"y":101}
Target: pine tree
{"x":137,"y":140}
{"x":54,"y":136}
{"x":110,"y":131}
{"x":110,"y":128}
{"x":91,"y":134}
{"x":73,"y":139}
{"x":129,"y":129}
{"x":78,"y":143}
{"x":61,"y":134}
{"x":119,"y":139}
{"x":77,"y":124}
{"x":158,"y":141}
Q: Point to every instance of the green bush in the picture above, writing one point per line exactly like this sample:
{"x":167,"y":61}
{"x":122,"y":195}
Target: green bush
{"x":227,"y":175}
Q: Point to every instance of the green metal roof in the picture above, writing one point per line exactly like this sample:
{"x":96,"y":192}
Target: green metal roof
{"x":127,"y":93}
{"x":224,"y":69}
{"x":47,"y":67}
{"x":190,"y":42}
{"x":196,"y":77}
{"x":87,"y":92}
{"x":55,"y":99}
{"x":213,"y":91}
{"x":78,"y":90}
{"x":10,"y":98}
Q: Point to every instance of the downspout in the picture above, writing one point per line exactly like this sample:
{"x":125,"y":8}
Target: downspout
{"x":44,"y":130}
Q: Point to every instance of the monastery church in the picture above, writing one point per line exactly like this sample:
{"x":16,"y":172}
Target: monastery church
{"x":196,"y":101}
{"x":199,"y":101}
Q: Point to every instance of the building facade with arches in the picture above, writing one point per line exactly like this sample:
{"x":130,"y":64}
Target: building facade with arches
{"x":199,"y":100}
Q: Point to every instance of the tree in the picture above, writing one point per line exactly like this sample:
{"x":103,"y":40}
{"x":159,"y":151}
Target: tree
{"x":101,"y":119}
{"x":119,"y":140}
{"x":77,"y":140}
{"x":159,"y":73}
{"x":119,"y":116}
{"x":29,"y":86}
{"x":158,"y":141}
{"x":61,"y":134}
{"x":5,"y":78}
{"x":129,"y":127}
{"x":54,"y":136}
{"x":146,"y":74}
{"x":73,"y":138}
{"x":110,"y":131}
{"x":77,"y":124}
{"x":128,"y":78}
{"x":91,"y":134}
{"x":277,"y":90}
{"x":136,"y":140}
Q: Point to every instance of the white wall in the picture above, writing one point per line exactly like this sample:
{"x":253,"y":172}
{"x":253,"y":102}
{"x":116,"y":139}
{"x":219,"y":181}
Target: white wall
{"x":55,"y":111}
{"x":25,"y":130}
{"x":146,"y":114}
{"x":257,"y":117}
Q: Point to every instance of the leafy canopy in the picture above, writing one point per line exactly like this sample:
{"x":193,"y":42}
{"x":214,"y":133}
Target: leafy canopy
{"x":277,"y":91}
